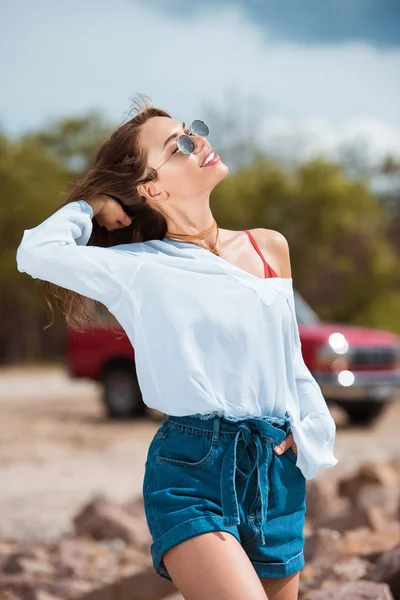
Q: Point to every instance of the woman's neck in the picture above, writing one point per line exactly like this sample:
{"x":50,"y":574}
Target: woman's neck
{"x":195,"y":225}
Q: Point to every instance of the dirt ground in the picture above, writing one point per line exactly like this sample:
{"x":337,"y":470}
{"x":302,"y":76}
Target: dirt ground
{"x":57,"y":451}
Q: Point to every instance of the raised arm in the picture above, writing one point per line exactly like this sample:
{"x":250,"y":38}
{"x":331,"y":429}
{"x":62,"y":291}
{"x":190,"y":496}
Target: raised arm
{"x":56,"y":250}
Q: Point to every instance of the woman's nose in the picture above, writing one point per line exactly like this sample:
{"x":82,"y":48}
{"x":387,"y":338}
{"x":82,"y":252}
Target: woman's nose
{"x":199,"y":142}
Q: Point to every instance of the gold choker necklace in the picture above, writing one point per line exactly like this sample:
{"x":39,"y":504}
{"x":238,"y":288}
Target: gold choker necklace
{"x":190,"y":238}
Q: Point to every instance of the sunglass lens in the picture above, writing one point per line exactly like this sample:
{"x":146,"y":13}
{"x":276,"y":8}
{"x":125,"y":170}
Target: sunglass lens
{"x":200,"y":128}
{"x":185,"y":144}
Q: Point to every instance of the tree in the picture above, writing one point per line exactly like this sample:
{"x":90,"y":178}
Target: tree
{"x":31,"y":183}
{"x":73,"y":141}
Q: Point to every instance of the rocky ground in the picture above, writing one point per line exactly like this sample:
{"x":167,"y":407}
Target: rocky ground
{"x":58,"y":453}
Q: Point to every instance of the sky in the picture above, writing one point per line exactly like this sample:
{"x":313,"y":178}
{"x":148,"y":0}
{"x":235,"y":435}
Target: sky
{"x":307,"y":76}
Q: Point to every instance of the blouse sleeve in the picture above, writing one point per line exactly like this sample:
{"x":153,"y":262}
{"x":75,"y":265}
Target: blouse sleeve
{"x":313,"y":427}
{"x":56,"y":251}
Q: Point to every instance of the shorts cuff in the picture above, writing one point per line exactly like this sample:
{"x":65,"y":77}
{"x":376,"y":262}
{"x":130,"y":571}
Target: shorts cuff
{"x":183,"y":532}
{"x":276,"y":570}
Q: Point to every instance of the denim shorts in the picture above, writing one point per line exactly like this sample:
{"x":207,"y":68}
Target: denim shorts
{"x":216,"y":473}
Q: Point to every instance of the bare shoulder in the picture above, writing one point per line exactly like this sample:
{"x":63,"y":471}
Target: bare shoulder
{"x":274,"y":244}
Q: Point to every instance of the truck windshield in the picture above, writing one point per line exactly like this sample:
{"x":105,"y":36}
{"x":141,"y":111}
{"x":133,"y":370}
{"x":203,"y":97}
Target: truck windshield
{"x":304,"y":313}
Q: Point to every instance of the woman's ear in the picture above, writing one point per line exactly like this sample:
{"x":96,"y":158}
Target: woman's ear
{"x":142,"y":189}
{"x":151,"y":191}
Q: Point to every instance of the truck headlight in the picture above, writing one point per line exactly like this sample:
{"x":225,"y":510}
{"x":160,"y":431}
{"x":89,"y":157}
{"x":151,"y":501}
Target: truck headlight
{"x":338,"y":343}
{"x":333,"y":355}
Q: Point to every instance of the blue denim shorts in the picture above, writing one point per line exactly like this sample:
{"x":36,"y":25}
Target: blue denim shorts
{"x":215,"y":473}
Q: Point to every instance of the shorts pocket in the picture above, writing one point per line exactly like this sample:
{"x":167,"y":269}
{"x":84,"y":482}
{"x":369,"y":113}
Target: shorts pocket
{"x":156,"y":442}
{"x":291,"y":455}
{"x":154,"y":447}
{"x":186,"y":448}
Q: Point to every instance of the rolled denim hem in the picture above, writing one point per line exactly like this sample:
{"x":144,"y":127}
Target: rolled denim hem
{"x":199,"y":525}
{"x":183,"y":532}
{"x":277,"y":570}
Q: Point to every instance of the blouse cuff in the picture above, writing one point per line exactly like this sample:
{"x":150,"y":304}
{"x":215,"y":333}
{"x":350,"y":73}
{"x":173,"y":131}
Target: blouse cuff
{"x":315,"y":439}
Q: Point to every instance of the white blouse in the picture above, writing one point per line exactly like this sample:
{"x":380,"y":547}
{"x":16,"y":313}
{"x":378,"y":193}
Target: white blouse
{"x":207,"y":335}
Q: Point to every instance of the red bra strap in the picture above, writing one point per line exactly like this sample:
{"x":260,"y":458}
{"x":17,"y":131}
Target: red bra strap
{"x":268,"y":271}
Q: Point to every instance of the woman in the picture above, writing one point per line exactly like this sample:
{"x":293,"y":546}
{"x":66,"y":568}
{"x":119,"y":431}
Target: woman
{"x":210,"y":314}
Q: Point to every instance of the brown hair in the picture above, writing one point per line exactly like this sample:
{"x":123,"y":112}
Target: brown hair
{"x":117,"y":168}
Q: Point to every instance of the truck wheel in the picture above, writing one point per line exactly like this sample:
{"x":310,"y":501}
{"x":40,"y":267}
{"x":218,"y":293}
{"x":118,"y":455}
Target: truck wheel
{"x":364,"y":413}
{"x":122,"y":397}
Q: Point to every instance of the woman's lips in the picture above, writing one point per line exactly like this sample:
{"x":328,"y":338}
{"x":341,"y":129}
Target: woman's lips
{"x":213,"y":161}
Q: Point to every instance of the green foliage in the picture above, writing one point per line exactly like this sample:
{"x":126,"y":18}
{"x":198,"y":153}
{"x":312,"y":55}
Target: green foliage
{"x":31,"y":183}
{"x":73,"y":141}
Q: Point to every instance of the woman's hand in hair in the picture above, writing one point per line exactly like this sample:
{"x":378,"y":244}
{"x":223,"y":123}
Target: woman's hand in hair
{"x":109,"y":213}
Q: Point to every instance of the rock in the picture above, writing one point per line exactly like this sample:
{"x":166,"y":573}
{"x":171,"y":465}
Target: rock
{"x":377,"y":518}
{"x":308,"y":574}
{"x":363,"y":541}
{"x":361,"y":590}
{"x":382,"y":497}
{"x":368,"y":502}
{"x":27,"y":588}
{"x":133,"y":556}
{"x":342,"y":517}
{"x":43,"y":595}
{"x":374,"y":485}
{"x":395,"y":464}
{"x":100,"y":562}
{"x":83,"y":558}
{"x":322,"y":547}
{"x":381,"y":473}
{"x":70,"y":568}
{"x":146,"y":585}
{"x":322,"y":495}
{"x":103,"y":519}
{"x":325,"y":508}
{"x":135,"y":507}
{"x":7,"y":595}
{"x":387,"y":570}
{"x":19,"y":563}
{"x":76,"y":557}
{"x":321,"y":550}
{"x":351,"y":569}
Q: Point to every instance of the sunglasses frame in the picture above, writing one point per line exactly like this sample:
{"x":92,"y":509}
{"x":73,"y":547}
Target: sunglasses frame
{"x":184,"y":136}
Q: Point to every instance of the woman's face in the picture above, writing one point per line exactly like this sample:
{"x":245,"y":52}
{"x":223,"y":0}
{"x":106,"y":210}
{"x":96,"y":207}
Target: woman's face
{"x":183,"y":175}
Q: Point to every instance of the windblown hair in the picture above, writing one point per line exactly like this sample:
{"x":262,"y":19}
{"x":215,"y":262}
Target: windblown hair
{"x":117,"y":168}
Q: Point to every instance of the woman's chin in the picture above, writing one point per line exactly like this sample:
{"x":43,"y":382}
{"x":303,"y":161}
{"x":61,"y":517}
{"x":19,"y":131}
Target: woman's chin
{"x":216,"y":173}
{"x":220,"y":175}
{"x":222,"y":168}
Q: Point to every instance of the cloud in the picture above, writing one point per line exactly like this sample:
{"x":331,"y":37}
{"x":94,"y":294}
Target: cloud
{"x":64,"y":59}
{"x":369,"y":137}
{"x":312,"y":22}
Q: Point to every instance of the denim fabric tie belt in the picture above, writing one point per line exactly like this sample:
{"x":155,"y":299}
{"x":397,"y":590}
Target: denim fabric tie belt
{"x":254,"y":433}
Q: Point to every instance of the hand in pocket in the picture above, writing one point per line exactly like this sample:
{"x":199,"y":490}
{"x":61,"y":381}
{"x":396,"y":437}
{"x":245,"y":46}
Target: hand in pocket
{"x":288,"y":442}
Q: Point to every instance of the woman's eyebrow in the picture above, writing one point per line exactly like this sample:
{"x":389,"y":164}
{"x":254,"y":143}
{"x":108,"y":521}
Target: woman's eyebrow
{"x":173,"y":136}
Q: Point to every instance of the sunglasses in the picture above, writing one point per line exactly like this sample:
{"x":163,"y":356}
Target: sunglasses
{"x":184,"y":143}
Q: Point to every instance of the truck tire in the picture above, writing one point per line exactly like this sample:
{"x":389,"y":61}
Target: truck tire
{"x":364,"y":413}
{"x":122,"y":397}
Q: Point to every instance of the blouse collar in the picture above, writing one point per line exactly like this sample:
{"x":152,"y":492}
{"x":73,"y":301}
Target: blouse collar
{"x":282,"y":284}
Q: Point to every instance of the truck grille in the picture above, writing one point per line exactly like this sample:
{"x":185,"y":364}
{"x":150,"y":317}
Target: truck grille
{"x":373,"y":356}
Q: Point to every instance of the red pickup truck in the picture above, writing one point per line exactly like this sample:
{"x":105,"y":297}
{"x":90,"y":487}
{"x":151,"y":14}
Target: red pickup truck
{"x":357,"y":368}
